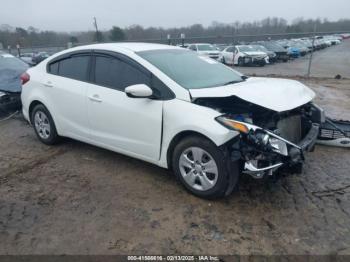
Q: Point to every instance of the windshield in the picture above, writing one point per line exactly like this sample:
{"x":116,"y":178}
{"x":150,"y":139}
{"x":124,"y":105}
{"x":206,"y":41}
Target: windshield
{"x":247,"y":48}
{"x":273,"y":46}
{"x":206,"y":48}
{"x":191,"y":70}
{"x":259,"y":48}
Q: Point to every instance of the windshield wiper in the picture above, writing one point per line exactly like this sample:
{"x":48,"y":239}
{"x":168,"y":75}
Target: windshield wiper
{"x":232,"y":82}
{"x":236,"y":81}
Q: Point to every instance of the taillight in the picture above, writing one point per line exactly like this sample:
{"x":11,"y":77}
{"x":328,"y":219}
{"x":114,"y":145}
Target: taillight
{"x":25,"y":77}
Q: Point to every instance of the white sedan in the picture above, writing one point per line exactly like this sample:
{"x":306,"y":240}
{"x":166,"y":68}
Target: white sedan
{"x":249,"y":55}
{"x":207,"y":50}
{"x":227,"y":55}
{"x":173,"y":108}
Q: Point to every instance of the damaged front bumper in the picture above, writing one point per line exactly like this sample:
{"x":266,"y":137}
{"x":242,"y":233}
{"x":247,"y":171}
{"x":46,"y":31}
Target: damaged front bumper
{"x":251,"y":60}
{"x":9,"y":102}
{"x":294,"y":157}
{"x":262,"y":151}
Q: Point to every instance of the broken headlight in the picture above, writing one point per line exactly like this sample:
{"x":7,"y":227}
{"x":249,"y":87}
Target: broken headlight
{"x":261,"y":138}
{"x":234,"y":125}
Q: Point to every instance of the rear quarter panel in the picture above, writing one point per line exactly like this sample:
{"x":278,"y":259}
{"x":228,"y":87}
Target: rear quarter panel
{"x":34,"y":90}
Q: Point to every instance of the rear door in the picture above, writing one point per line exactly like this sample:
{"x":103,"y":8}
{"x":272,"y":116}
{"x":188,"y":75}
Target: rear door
{"x":128,"y":125}
{"x":66,"y":85}
{"x":229,"y":55}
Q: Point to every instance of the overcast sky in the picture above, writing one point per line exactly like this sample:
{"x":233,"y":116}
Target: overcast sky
{"x":76,"y":15}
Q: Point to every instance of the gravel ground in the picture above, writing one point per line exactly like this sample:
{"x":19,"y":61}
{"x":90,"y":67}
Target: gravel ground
{"x":78,"y":199}
{"x":328,"y":62}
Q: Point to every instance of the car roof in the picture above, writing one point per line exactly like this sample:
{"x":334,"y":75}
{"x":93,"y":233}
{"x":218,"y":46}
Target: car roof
{"x":127,"y":46}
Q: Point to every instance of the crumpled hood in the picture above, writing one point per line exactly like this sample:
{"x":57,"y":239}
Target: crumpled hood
{"x":272,"y":93}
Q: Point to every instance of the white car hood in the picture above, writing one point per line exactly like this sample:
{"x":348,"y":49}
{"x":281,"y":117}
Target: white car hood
{"x":255,"y":53}
{"x":209,"y":52}
{"x":272,"y":93}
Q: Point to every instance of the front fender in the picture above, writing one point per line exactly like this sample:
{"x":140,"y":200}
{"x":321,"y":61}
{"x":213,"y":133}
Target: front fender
{"x":181,"y":116}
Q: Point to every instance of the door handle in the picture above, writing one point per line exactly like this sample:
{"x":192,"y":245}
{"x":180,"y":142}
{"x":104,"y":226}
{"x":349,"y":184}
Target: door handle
{"x":48,"y":84}
{"x":95,"y":98}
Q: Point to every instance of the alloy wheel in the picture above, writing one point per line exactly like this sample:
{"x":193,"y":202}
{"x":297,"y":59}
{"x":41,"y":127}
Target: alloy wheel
{"x":198,"y":168}
{"x":42,"y":124}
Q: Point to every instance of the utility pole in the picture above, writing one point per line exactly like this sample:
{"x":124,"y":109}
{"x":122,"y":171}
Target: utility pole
{"x":312,"y":51}
{"x":96,"y":28}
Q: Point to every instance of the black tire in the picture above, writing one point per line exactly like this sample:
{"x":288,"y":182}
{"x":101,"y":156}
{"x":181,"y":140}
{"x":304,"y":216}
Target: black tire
{"x":51,"y":137}
{"x":240,"y":61}
{"x":227,"y":174}
{"x":223,"y":60}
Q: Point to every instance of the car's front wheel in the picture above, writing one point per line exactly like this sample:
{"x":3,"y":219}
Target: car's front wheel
{"x":240,"y":61}
{"x":44,"y":125}
{"x":223,"y":60}
{"x":202,"y":168}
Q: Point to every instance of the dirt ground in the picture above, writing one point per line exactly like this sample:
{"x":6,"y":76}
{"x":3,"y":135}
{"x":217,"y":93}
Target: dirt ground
{"x":78,"y":199}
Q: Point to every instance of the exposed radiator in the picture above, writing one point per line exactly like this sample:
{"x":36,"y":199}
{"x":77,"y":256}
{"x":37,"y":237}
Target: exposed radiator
{"x":290,"y":128}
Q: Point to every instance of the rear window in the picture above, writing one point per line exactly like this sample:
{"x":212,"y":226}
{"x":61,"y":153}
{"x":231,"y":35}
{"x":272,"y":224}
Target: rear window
{"x":75,"y":67}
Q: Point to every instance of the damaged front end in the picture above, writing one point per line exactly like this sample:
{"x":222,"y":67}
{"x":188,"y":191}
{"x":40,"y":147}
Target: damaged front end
{"x":9,"y":102}
{"x":268,"y":140}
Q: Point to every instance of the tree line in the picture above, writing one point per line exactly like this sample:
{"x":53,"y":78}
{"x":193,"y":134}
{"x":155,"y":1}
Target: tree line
{"x":32,"y":37}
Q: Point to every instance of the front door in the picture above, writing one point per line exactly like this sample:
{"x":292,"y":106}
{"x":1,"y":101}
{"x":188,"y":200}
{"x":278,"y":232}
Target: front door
{"x":128,"y":125}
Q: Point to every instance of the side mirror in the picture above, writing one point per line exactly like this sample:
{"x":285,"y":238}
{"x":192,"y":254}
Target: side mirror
{"x":139,"y":91}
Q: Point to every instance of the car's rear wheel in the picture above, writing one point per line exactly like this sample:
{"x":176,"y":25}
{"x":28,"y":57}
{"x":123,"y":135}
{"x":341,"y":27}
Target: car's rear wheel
{"x":44,"y":125}
{"x":201,"y":167}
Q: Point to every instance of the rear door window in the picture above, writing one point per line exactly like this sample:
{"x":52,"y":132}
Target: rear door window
{"x":75,"y":67}
{"x":53,"y":68}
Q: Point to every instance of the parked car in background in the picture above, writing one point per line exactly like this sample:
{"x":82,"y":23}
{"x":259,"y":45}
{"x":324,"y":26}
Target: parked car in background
{"x":303,"y":49}
{"x":272,"y":55}
{"x":292,"y":51}
{"x":185,"y":45}
{"x":307,"y":42}
{"x":38,"y":57}
{"x":281,"y":52}
{"x":11,"y":69}
{"x":227,"y":55}
{"x":205,"y":50}
{"x":173,"y":108}
{"x":27,"y":58}
{"x":334,"y":40}
{"x":249,"y":55}
{"x":220,"y":47}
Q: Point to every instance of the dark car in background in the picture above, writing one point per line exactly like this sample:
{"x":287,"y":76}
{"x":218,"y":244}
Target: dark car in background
{"x":11,"y":70}
{"x":38,"y":57}
{"x":272,"y":55}
{"x":280,"y":51}
{"x":27,"y":58}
